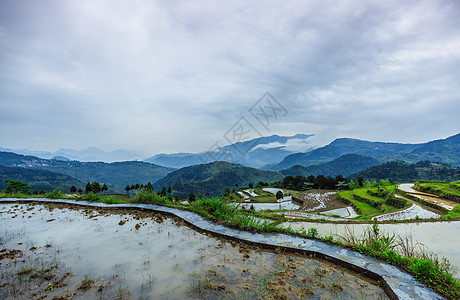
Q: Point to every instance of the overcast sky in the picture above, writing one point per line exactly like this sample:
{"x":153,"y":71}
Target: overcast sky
{"x":175,"y":76}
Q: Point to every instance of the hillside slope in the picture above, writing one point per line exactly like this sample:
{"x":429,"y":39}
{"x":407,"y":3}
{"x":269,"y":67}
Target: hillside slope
{"x":400,"y":171}
{"x":118,"y":174}
{"x":443,"y":151}
{"x":345,"y":165}
{"x":213,"y":178}
{"x":341,"y":147}
{"x":39,"y":179}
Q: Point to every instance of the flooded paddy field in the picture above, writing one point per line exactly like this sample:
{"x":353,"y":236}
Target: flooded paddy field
{"x":437,"y":237}
{"x":57,"y":251}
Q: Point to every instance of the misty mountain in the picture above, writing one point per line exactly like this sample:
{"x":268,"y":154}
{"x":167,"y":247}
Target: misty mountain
{"x":345,"y":165}
{"x":213,"y":178}
{"x":254,"y":153}
{"x":117,"y":174}
{"x":89,"y":154}
{"x":444,"y":151}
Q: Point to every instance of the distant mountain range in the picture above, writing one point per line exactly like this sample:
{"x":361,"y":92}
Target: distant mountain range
{"x":443,"y":151}
{"x":255,"y":153}
{"x":88,"y":154}
{"x":344,"y":156}
{"x":213,"y":178}
{"x":117,"y":174}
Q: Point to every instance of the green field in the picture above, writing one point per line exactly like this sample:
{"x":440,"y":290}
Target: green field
{"x":449,"y":190}
{"x":264,"y":197}
{"x":367,"y":210}
{"x":370,"y":205}
{"x":363,"y":194}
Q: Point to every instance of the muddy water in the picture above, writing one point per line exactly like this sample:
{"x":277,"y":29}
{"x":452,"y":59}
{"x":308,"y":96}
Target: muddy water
{"x":438,"y":237}
{"x":148,"y":256}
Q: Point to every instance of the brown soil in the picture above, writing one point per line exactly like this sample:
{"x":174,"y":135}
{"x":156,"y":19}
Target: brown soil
{"x":311,"y":198}
{"x":10,"y":254}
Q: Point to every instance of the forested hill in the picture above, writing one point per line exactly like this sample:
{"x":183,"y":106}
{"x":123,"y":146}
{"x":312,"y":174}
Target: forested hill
{"x":39,"y":180}
{"x":118,"y":174}
{"x":399,"y":171}
{"x":443,"y":151}
{"x":213,"y":178}
{"x":344,"y":165}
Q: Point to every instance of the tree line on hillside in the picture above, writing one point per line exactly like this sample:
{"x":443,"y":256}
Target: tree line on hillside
{"x":302,"y":183}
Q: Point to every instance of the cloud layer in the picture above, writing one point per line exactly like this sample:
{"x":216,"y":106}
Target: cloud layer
{"x":166,"y":76}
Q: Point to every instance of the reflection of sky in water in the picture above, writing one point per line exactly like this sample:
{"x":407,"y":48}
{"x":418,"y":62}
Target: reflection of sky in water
{"x":272,"y":206}
{"x":344,"y":212}
{"x":164,"y":252}
{"x":439,"y":237}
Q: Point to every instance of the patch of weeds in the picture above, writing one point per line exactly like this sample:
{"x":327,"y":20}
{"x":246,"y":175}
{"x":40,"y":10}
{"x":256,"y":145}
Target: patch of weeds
{"x":86,"y":283}
{"x":148,"y":281}
{"x":25,"y":270}
{"x":320,"y":272}
{"x":55,"y":194}
{"x":312,"y":232}
{"x":122,"y":293}
{"x":403,"y":252}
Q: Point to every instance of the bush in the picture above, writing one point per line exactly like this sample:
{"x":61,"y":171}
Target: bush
{"x":90,"y":196}
{"x":55,"y":194}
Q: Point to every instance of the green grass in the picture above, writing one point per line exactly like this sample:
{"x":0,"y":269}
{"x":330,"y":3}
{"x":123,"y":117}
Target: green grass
{"x":453,"y":214}
{"x":264,"y":197}
{"x":367,"y":210}
{"x":15,"y":195}
{"x":402,"y":252}
{"x":382,"y":204}
{"x":363,"y":194}
{"x":449,"y":190}
{"x":218,"y":209}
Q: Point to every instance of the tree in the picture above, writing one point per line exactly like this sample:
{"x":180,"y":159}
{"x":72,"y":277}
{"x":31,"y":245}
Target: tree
{"x":16,"y":186}
{"x":72,"y":189}
{"x":127,"y":189}
{"x":149,"y":187}
{"x":341,"y":185}
{"x":169,"y":190}
{"x":279,"y":195}
{"x":163,"y":192}
{"x":251,"y":185}
{"x":96,"y":187}
{"x":360,"y":181}
{"x":191,"y":197}
{"x":80,"y":191}
{"x":137,"y":186}
{"x":104,"y":188}
{"x":88,"y":188}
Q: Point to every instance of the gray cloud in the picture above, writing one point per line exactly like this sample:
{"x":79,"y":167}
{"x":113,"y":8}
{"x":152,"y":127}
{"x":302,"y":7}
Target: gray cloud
{"x":174,"y":76}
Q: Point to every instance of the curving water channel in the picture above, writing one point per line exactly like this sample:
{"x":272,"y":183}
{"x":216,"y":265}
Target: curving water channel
{"x":134,"y":255}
